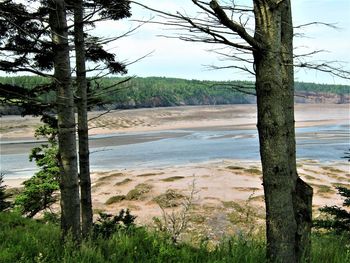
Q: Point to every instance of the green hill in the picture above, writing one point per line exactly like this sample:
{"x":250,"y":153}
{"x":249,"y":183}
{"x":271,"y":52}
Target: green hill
{"x":163,"y":92}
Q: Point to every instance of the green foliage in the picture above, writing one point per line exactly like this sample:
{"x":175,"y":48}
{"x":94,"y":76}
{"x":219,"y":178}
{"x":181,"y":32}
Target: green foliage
{"x":162,"y":92}
{"x":171,"y":198}
{"x":138,"y":192}
{"x":330,"y":248}
{"x":113,"y":93}
{"x":323,"y":88}
{"x":115,"y":10}
{"x":32,"y":51}
{"x":26,"y":240}
{"x":107,"y":224}
{"x":4,"y":204}
{"x":115,"y":199}
{"x":337,"y":218}
{"x":23,"y":240}
{"x":38,"y":193}
{"x":52,"y":218}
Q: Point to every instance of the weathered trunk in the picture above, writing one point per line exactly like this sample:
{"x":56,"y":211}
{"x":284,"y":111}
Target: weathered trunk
{"x":287,"y":197}
{"x":84,"y":163}
{"x":69,"y":187}
{"x":302,"y":198}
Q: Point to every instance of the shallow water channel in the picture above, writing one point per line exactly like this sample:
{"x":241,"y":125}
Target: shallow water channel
{"x":176,"y":147}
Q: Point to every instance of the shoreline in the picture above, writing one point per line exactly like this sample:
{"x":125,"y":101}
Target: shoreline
{"x":222,"y":185}
{"x":138,"y":125}
{"x":151,"y":124}
{"x":248,"y":171}
{"x":238,"y":116}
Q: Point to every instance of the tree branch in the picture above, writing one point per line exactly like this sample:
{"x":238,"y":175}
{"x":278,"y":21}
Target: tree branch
{"x":235,"y":27}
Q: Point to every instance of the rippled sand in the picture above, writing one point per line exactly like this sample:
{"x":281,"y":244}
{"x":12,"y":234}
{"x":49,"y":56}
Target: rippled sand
{"x":223,"y":188}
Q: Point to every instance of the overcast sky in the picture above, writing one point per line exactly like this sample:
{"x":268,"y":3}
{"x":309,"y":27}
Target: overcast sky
{"x":175,"y":58}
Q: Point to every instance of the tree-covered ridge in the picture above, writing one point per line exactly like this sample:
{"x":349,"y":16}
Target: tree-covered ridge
{"x":161,"y":91}
{"x":324,"y":88}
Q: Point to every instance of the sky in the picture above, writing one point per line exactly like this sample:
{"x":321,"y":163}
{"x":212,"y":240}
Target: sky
{"x":179,"y":59}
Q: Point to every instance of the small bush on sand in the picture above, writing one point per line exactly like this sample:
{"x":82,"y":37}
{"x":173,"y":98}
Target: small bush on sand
{"x":115,"y":199}
{"x":138,"y":192}
{"x":171,"y":198}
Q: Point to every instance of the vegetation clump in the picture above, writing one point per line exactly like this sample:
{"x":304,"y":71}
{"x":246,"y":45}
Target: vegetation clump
{"x":107,"y":177}
{"x":148,"y":174}
{"x":30,"y":240}
{"x":108,"y":224}
{"x":39,"y":191}
{"x":4,"y":195}
{"x":138,"y":192}
{"x":337,"y":218}
{"x":125,"y":181}
{"x":234,"y":167}
{"x":253,"y":171}
{"x":173,"y":178}
{"x":331,"y":169}
{"x":115,"y":199}
{"x":171,"y":198}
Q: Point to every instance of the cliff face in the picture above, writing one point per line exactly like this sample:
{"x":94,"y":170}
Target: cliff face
{"x":319,"y":97}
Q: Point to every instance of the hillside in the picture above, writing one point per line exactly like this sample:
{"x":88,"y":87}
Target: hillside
{"x":164,"y":92}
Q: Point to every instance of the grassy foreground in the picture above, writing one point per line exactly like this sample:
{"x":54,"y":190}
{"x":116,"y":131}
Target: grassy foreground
{"x":25,"y":240}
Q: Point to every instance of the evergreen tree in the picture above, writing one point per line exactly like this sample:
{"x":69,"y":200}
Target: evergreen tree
{"x":39,"y":191}
{"x":29,"y":46}
{"x":4,"y":204}
{"x":338,"y":218}
{"x":109,"y":10}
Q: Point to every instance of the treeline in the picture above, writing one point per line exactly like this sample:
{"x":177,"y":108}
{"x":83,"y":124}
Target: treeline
{"x":164,"y":92}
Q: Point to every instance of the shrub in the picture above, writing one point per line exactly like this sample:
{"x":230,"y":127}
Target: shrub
{"x":115,"y":199}
{"x":138,"y":192}
{"x":108,"y":224}
{"x":338,"y":219}
{"x":171,"y":198}
{"x":38,"y":192}
{"x":4,"y":204}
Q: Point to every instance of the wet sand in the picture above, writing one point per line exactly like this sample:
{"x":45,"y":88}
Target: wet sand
{"x":227,"y":117}
{"x":221,"y":187}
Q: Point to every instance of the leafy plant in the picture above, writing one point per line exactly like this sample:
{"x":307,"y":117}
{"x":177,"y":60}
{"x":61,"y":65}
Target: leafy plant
{"x":108,"y":224}
{"x":4,"y":204}
{"x":39,"y":190}
{"x":338,"y":218}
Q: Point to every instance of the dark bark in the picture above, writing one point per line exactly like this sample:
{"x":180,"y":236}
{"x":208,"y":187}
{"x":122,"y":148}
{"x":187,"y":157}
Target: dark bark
{"x":303,"y":215}
{"x":288,"y":198}
{"x":84,"y":163}
{"x":70,"y":205}
{"x":302,"y":198}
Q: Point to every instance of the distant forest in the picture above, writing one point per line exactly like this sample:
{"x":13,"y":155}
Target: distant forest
{"x":164,"y":92}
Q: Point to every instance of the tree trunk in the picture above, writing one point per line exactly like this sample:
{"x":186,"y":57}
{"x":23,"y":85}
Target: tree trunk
{"x":287,"y":197}
{"x":84,"y":164}
{"x":70,"y":205}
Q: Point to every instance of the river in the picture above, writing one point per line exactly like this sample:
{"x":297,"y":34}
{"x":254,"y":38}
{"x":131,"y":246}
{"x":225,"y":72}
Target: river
{"x":326,"y":143}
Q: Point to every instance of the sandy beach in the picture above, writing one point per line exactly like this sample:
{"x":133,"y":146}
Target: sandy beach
{"x":172,"y":118}
{"x":225,"y":191}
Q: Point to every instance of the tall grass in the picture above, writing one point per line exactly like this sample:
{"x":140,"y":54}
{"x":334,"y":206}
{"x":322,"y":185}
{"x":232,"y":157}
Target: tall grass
{"x":24,"y":240}
{"x":330,"y":248}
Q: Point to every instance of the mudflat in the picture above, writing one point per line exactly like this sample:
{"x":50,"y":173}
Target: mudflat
{"x":17,"y":128}
{"x":224,"y":190}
